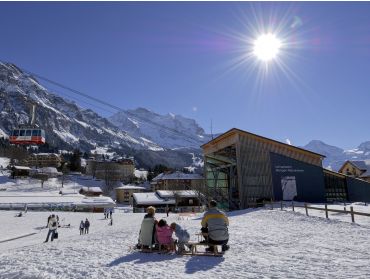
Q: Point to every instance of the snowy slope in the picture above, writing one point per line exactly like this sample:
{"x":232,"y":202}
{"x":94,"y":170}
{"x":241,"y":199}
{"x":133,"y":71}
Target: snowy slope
{"x":264,"y":244}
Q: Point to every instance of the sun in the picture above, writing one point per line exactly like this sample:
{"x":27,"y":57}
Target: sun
{"x":266,"y":47}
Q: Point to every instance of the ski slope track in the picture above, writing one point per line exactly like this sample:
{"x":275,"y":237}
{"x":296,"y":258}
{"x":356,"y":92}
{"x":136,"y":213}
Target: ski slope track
{"x":264,"y":244}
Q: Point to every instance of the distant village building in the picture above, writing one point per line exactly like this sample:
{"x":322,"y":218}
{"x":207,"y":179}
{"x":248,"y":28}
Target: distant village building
{"x":121,"y":169}
{"x":20,"y":171}
{"x":50,"y":172}
{"x":43,"y":160}
{"x":176,"y":201}
{"x":357,"y":168}
{"x":124,"y":194}
{"x":91,"y":191}
{"x":177,"y":181}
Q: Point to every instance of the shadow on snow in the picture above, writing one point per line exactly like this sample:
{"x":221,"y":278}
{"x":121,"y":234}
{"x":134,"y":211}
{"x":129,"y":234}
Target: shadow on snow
{"x":202,"y":263}
{"x":139,"y":257}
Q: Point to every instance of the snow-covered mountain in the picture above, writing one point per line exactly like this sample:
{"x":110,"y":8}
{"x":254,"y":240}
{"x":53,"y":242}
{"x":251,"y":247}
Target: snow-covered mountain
{"x":64,"y":121}
{"x":169,"y":131}
{"x":335,"y":156}
{"x":67,"y":125}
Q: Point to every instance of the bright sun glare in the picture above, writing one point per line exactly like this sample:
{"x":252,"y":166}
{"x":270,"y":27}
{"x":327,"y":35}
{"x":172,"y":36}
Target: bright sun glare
{"x":266,"y":47}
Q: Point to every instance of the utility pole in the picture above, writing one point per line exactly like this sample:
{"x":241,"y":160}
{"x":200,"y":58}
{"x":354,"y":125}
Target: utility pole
{"x":211,"y":130}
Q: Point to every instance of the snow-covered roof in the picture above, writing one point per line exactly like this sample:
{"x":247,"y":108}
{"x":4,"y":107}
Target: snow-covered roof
{"x":181,"y":193}
{"x":21,"y":167}
{"x":103,"y":201}
{"x":130,"y":187}
{"x":92,"y":189}
{"x":141,"y":173}
{"x":46,"y":154}
{"x":178,"y":176}
{"x":151,"y":198}
{"x":51,"y":170}
{"x":4,"y":161}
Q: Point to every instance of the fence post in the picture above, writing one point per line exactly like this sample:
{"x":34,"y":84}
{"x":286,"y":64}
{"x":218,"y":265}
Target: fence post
{"x":272,"y":205}
{"x":281,"y":205}
{"x":305,"y":206}
{"x":352,"y":215}
{"x":345,"y":209}
{"x":326,"y":211}
{"x":293,"y":205}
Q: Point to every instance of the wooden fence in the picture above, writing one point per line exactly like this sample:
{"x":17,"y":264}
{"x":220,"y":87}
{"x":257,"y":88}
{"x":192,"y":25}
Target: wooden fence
{"x":326,"y":209}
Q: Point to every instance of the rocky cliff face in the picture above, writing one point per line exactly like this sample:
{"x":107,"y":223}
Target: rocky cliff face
{"x":144,"y":124}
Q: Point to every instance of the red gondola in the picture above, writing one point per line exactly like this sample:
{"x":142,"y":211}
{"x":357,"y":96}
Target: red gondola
{"x":27,"y":136}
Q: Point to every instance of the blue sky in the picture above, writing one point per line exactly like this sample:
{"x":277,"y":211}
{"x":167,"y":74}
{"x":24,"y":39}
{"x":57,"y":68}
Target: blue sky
{"x":193,"y":59}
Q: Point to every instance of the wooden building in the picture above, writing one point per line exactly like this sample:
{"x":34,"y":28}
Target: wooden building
{"x":176,"y":201}
{"x":124,"y":194}
{"x":43,"y":160}
{"x":242,"y":169}
{"x":20,"y":171}
{"x":357,"y":168}
{"x":111,"y":170}
{"x":91,"y":191}
{"x":177,"y":181}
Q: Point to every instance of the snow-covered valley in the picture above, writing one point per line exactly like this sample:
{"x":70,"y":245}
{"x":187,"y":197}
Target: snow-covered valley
{"x":264,"y":244}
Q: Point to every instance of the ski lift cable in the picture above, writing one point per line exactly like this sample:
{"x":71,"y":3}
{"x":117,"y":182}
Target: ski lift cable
{"x":165,"y":129}
{"x":55,"y":91}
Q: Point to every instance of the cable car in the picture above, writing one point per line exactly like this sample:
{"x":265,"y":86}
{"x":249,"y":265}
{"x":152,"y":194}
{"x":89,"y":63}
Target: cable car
{"x":27,"y":136}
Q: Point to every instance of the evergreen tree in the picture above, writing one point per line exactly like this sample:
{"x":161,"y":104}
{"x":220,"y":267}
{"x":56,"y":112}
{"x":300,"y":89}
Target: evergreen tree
{"x":75,"y":161}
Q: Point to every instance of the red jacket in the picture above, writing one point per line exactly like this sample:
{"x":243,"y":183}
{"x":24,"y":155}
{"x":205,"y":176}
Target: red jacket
{"x":164,"y":234}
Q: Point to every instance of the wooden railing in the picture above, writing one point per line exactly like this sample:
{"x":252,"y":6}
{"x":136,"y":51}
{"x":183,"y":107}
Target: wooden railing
{"x":326,"y":209}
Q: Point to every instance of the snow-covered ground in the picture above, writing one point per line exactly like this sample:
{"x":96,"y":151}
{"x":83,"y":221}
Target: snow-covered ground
{"x":264,"y":244}
{"x":31,"y":191}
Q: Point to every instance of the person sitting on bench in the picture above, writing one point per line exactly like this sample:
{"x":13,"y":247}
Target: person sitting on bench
{"x":215,"y":223}
{"x":147,"y":230}
{"x":164,"y":235}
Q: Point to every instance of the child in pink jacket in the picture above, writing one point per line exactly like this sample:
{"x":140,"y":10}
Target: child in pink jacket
{"x":164,"y":235}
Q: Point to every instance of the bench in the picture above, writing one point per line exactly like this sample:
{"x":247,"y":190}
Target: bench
{"x":194,"y":246}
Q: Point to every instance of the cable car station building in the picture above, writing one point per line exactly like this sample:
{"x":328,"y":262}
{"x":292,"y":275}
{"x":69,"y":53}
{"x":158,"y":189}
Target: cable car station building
{"x":242,"y":169}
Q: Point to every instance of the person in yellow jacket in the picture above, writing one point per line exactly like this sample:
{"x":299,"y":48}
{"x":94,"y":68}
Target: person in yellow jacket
{"x":215,"y":223}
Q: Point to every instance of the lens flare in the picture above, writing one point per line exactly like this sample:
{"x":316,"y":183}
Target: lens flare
{"x":266,"y":47}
